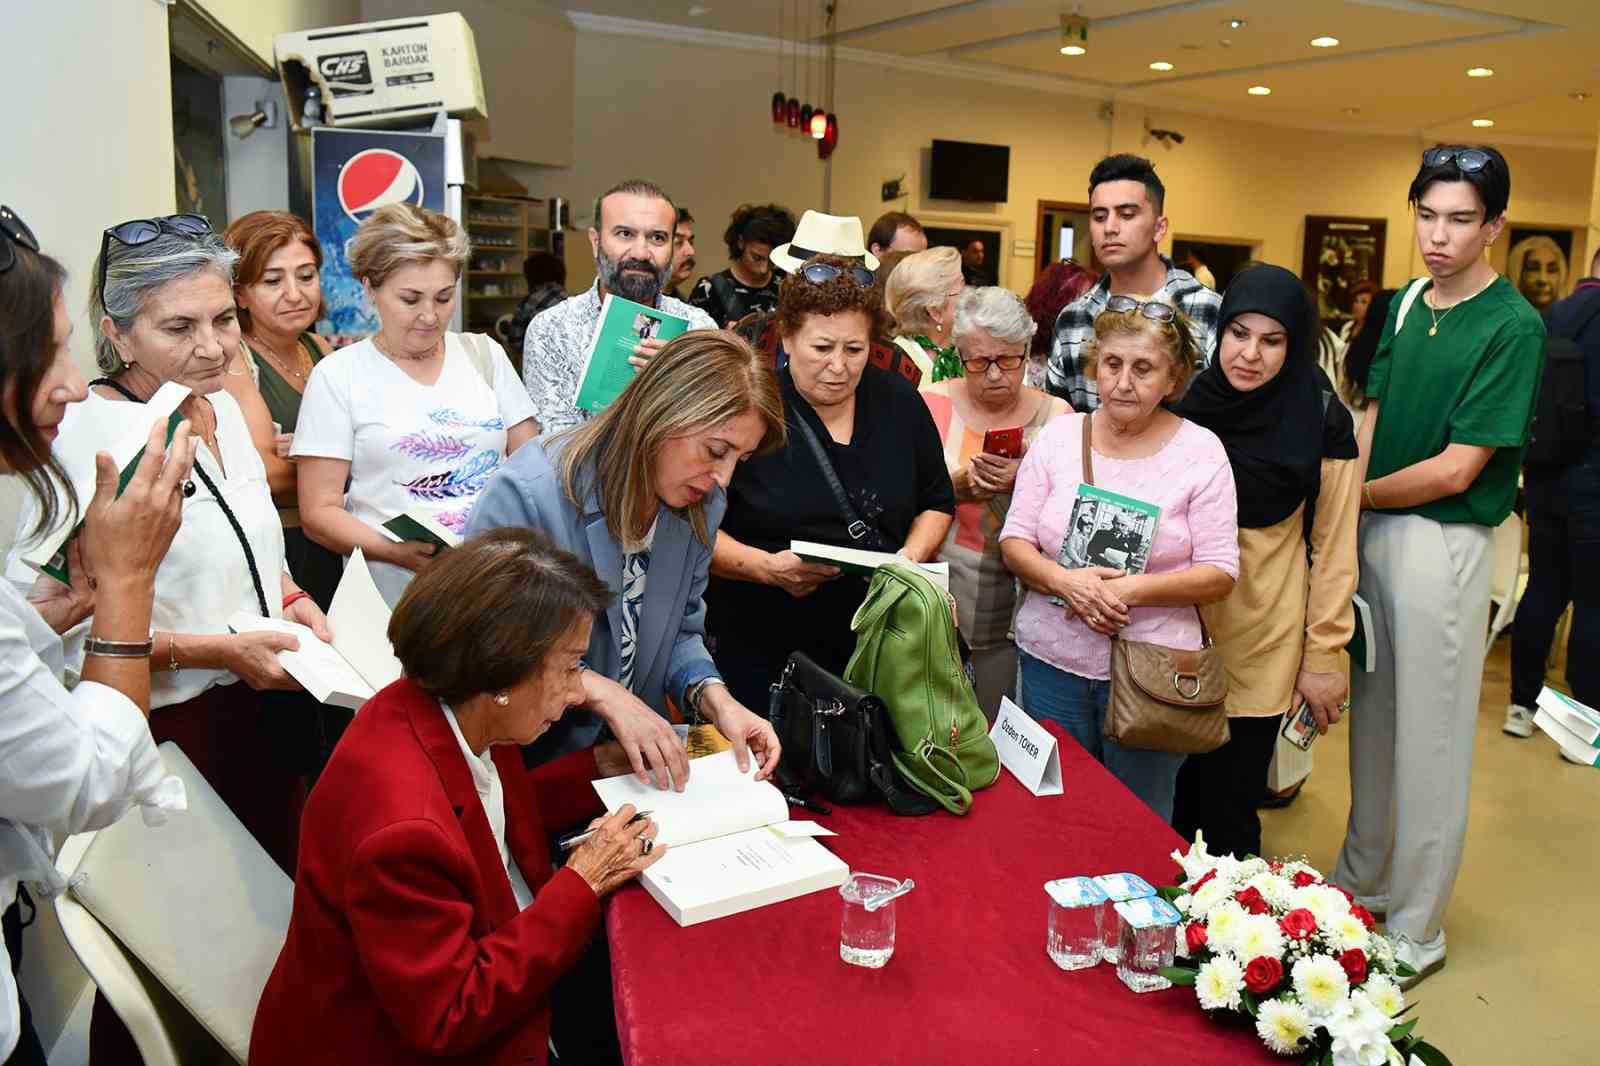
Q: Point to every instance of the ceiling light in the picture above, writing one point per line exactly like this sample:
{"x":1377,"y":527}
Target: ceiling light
{"x":1235,"y":24}
{"x":1161,"y":65}
{"x":1483,"y":123}
{"x":1259,"y":90}
{"x":1324,"y":42}
{"x":1579,"y":96}
{"x":1074,"y":34}
{"x":1480,"y":72}
{"x":1073,"y":50}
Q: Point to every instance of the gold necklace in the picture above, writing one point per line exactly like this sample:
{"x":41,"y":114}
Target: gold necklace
{"x":383,"y":349}
{"x":276,"y":360}
{"x":1433,"y":330}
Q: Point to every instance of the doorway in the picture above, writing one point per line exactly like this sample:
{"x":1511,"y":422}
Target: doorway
{"x":1223,"y":258}
{"x":1063,"y":233}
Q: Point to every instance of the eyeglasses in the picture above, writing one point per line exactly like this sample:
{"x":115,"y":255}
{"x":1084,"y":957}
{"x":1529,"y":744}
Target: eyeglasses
{"x":1006,"y":363}
{"x":819,"y":273}
{"x":16,"y":232}
{"x":1151,"y":309}
{"x":1467,"y":160}
{"x":142,"y":231}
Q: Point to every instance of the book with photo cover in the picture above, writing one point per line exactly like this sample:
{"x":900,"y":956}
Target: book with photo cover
{"x":623,"y":324}
{"x":1108,"y":529}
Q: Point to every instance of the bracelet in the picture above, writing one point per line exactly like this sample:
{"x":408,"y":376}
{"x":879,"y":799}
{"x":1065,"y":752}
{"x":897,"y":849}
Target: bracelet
{"x":172,"y":652}
{"x":1366,"y":491}
{"x":697,"y":691}
{"x":119,"y":649}
{"x":295,"y":597}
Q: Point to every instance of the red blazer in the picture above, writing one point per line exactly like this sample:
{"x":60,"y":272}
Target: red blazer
{"x":405,"y":944}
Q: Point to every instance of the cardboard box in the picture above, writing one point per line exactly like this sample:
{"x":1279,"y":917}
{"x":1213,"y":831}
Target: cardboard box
{"x":388,"y":73}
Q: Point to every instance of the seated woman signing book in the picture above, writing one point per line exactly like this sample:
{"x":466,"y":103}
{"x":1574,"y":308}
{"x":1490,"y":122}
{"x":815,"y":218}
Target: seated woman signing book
{"x":1141,"y":355}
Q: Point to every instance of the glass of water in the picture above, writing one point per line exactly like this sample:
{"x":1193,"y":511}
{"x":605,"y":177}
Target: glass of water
{"x":1117,"y":887}
{"x":866,"y":938}
{"x":1072,"y":938}
{"x":1148,"y":932}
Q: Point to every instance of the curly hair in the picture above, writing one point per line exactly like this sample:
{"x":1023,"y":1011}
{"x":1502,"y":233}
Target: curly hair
{"x":799,"y":299}
{"x":1175,"y":339}
{"x":1056,"y":286}
{"x":769,"y":224}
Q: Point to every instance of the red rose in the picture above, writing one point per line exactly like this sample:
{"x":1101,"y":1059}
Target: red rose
{"x":1364,"y":916}
{"x":1345,"y":892}
{"x":1354,"y":962}
{"x":1251,"y":900}
{"x":1298,"y":924}
{"x":1194,"y":934}
{"x":1302,"y":878}
{"x":1275,"y":866}
{"x":1263,"y":974}
{"x":1209,"y":874}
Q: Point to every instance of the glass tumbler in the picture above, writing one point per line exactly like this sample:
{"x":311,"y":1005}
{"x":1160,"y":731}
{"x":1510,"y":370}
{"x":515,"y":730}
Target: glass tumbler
{"x":1148,"y":931}
{"x":1117,"y":887}
{"x":1072,"y":938}
{"x":866,"y":938}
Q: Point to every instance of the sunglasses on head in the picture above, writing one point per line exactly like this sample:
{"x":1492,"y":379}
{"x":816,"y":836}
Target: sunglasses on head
{"x":1151,"y":309}
{"x":16,"y":232}
{"x":1467,"y":160}
{"x":140,"y":231}
{"x":818,"y":273}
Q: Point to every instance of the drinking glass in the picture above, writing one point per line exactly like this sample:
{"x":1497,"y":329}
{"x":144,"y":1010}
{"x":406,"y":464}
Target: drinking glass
{"x":866,"y":938}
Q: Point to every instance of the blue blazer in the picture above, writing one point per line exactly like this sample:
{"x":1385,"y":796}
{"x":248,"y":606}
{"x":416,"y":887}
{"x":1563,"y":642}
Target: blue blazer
{"x":671,"y":650}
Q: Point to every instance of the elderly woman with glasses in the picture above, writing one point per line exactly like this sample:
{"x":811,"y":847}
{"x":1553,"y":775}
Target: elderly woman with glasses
{"x":862,"y":468}
{"x":986,"y":419}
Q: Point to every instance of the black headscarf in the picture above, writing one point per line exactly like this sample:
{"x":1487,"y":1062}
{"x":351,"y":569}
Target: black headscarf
{"x":1276,"y":435}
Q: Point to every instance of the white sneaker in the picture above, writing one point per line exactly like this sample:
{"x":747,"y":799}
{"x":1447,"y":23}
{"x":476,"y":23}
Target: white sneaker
{"x":1573,"y":759}
{"x":1422,"y":956}
{"x":1519,"y":721}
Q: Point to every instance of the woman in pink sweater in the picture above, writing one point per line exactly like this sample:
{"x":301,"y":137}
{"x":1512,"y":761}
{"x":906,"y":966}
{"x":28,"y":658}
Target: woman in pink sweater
{"x":1141,"y":357}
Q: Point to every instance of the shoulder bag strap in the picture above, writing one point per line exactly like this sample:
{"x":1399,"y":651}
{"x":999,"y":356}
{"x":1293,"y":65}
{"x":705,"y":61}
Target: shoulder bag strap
{"x":480,"y":355}
{"x":1406,"y":301}
{"x":859,"y":531}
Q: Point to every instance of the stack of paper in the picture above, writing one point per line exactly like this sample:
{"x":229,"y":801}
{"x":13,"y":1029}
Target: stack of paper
{"x":1573,"y":725}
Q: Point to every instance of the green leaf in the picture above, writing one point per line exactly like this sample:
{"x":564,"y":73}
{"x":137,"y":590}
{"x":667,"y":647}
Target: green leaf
{"x":1326,"y":1059}
{"x":1403,"y":970}
{"x":1429,"y":1055}
{"x":1179,"y":975}
{"x":1251,"y":1002}
{"x":1400,"y":1032}
{"x":1169,"y":892}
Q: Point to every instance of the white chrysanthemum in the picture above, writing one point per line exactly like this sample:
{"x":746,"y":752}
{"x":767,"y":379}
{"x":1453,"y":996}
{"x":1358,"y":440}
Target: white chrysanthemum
{"x":1252,"y":867}
{"x":1197,"y":861}
{"x":1219,"y":983}
{"x":1223,"y":926}
{"x":1274,"y":889}
{"x":1385,"y":994}
{"x":1321,"y":984}
{"x":1259,"y":935}
{"x":1381,"y":948}
{"x":1347,"y":932}
{"x":1214,"y":892}
{"x":1360,"y":1033}
{"x":1282,"y":1024}
{"x":1183,"y":902}
{"x":1228,"y":871}
{"x":1326,"y":903}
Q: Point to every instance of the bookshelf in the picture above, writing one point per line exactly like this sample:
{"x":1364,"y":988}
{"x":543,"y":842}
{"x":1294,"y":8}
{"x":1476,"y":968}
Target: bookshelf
{"x":504,"y":231}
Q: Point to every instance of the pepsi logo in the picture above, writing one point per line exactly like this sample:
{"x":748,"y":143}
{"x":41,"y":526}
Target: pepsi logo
{"x":374,"y":178}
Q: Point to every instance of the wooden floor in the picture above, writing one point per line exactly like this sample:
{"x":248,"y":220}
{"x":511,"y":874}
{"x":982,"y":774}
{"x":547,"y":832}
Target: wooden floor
{"x":1522,"y":980}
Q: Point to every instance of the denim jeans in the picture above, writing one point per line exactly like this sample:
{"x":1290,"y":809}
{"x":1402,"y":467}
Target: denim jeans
{"x":1078,"y":704}
{"x":1563,"y":567}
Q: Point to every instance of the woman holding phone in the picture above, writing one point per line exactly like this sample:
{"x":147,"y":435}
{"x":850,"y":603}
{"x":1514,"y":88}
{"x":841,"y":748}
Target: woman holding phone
{"x":986,"y":420}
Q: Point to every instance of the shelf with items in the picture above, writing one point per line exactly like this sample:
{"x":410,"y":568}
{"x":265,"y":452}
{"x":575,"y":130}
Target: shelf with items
{"x":503,"y":230}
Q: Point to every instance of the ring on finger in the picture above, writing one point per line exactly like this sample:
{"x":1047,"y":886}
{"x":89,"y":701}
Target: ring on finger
{"x":646,"y":845}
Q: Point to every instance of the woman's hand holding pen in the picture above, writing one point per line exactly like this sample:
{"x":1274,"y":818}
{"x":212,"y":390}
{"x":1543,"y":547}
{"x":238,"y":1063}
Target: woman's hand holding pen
{"x":621,"y":847}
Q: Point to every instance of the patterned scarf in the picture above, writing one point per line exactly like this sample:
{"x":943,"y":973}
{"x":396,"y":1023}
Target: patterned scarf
{"x":946,"y":361}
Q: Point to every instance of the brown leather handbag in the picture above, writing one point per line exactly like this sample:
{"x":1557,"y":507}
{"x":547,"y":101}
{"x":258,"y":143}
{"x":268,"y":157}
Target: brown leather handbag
{"x":1164,"y":699}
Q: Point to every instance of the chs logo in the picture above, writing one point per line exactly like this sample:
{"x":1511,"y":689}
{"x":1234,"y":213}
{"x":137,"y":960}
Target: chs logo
{"x":377,"y":177}
{"x":347,"y":67}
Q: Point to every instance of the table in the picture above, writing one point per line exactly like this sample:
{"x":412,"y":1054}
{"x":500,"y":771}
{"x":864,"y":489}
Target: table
{"x":969,"y":982}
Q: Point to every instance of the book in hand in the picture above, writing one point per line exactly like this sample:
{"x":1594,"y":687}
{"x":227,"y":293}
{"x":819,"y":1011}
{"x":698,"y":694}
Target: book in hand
{"x":48,"y":554}
{"x":1108,"y":529}
{"x":731,"y":848}
{"x":1574,"y":726}
{"x":421,"y":527}
{"x":862,"y":562}
{"x":623,"y":324}
{"x":359,"y":661}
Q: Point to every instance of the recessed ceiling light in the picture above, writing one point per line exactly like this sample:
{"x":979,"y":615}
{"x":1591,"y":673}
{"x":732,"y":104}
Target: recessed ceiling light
{"x":1161,"y":64}
{"x":1579,"y":96}
{"x":1235,"y":24}
{"x":1259,"y":90}
{"x":1480,"y":72}
{"x":1073,"y":50}
{"x":1483,"y":123}
{"x":1324,"y":42}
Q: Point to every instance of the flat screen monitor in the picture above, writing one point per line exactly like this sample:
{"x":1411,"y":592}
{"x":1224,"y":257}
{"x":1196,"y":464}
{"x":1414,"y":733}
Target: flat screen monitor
{"x":966,"y":171}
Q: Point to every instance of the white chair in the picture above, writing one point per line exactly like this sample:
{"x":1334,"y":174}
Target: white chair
{"x":1509,"y":577}
{"x":178,"y":925}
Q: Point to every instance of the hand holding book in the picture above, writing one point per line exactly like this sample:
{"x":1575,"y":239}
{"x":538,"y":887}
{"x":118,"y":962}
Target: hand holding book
{"x":1087,"y":592}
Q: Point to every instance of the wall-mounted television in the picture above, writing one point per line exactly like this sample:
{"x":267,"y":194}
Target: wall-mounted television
{"x":965,"y":171}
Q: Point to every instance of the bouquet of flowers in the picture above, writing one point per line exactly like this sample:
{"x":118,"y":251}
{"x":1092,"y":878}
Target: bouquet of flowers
{"x":1274,"y":941}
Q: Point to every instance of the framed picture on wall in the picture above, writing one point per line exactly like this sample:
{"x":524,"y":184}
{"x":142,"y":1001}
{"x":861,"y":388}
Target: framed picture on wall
{"x":1341,"y":253}
{"x":1539,"y":262}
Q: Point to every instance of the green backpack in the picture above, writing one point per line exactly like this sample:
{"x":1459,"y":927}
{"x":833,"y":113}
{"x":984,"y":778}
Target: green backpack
{"x":906,"y":655}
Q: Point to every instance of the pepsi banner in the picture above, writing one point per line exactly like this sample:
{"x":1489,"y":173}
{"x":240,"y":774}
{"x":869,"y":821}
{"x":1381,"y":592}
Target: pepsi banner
{"x":353,"y":173}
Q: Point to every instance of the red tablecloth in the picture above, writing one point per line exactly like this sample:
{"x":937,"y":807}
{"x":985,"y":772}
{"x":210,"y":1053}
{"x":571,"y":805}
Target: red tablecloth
{"x":969,"y":983}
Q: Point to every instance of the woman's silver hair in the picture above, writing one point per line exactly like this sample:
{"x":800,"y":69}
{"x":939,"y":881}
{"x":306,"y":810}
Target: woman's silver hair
{"x":135,"y":274}
{"x":998,"y":312}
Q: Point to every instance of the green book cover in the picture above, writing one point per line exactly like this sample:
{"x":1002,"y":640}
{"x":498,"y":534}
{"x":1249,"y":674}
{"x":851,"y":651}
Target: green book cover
{"x":1109,"y":529}
{"x":420,"y":528}
{"x":623,"y":324}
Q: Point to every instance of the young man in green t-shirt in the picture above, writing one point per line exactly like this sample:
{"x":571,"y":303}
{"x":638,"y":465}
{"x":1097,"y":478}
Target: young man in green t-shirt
{"x":1452,"y":387}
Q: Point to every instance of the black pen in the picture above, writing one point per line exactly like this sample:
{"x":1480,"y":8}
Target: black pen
{"x":811,"y":805}
{"x":572,"y":840}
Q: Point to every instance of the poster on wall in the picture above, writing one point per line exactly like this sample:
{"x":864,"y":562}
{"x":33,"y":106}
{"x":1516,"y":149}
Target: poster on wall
{"x":1341,"y":253}
{"x":353,"y":173}
{"x":1539,"y":263}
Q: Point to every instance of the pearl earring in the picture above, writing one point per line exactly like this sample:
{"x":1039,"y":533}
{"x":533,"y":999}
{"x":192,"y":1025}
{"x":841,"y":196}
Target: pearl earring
{"x":502,"y":700}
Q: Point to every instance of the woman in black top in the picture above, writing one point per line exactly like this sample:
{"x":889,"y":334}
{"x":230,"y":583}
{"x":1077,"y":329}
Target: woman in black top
{"x":764,"y":602}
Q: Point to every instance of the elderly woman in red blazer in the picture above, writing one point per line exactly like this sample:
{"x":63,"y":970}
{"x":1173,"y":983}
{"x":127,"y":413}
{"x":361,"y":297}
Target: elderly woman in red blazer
{"x":427,"y":923}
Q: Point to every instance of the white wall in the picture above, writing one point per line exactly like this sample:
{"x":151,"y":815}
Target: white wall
{"x":258,"y":165}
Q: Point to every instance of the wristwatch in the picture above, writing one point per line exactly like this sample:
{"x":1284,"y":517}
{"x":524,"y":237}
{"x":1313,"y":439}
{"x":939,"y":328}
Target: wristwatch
{"x":696,"y":691}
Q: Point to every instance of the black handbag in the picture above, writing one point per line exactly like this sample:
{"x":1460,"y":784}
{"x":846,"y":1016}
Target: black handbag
{"x":836,"y":741}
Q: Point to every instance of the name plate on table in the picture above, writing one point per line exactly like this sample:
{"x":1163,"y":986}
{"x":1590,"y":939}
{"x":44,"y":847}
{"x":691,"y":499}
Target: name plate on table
{"x":1027,"y":749}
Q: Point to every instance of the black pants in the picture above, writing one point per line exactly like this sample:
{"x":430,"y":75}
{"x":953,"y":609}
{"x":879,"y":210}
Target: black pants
{"x":1563,"y":567}
{"x":1218,"y":791}
{"x":28,"y":1052}
{"x":583,"y":1018}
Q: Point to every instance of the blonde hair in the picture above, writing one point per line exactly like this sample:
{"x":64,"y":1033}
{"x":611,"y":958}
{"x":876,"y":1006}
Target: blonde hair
{"x":397,"y":235}
{"x":1175,"y":339}
{"x":921,"y":282}
{"x":700,"y":379}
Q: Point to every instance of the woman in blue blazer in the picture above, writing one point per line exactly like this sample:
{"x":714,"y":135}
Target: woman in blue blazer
{"x":637,"y":493}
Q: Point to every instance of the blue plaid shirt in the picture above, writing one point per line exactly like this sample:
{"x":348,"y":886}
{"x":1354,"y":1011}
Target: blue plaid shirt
{"x":1064,"y":376}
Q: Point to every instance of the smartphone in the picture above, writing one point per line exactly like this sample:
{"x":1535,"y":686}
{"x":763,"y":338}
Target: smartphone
{"x":1300,"y":728}
{"x":1006,"y":443}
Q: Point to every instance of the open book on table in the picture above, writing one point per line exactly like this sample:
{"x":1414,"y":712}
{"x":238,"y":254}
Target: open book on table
{"x":421,"y":527}
{"x":863,"y":562}
{"x":358,"y":662}
{"x":733,"y":846}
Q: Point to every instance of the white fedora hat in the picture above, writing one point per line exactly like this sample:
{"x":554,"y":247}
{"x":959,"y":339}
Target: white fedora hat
{"x":820,"y":234}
